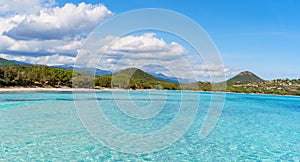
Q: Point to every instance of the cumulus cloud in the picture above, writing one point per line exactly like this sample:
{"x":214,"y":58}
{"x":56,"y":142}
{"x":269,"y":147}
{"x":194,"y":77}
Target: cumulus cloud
{"x":150,"y":53}
{"x":145,"y":46}
{"x":37,"y":29}
{"x":142,"y":48}
{"x":147,"y":42}
{"x":23,"y":6}
{"x":58,"y":23}
{"x":38,"y":32}
{"x":213,"y":70}
{"x":43,"y":60}
{"x":147,"y":50}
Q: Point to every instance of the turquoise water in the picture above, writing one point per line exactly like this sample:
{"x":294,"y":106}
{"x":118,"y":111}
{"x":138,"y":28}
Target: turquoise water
{"x":46,"y":127}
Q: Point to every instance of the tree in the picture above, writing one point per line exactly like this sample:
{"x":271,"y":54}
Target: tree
{"x":104,"y":81}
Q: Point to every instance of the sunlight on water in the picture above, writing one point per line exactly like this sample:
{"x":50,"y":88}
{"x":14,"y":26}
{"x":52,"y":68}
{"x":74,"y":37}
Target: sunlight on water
{"x":45,"y":126}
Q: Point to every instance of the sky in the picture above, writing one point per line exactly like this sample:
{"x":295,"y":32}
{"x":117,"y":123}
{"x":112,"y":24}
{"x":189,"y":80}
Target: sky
{"x":259,"y":36}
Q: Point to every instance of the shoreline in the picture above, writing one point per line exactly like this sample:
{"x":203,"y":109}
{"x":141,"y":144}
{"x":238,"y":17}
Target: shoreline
{"x":39,"y":89}
{"x":25,"y":89}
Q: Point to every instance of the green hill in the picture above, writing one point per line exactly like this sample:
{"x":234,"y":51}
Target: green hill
{"x":5,"y":63}
{"x":135,"y":79}
{"x":244,"y":78}
{"x":136,"y":74}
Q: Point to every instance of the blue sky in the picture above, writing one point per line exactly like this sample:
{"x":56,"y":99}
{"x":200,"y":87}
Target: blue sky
{"x":260,"y":36}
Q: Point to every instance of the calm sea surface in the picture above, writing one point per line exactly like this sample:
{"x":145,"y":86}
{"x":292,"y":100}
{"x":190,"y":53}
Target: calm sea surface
{"x":44,"y":126}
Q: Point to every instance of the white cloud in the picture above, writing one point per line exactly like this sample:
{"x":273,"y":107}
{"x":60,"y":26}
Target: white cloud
{"x":71,"y":46}
{"x":53,"y":60}
{"x":23,"y":6}
{"x":146,"y":43}
{"x":58,"y":23}
{"x":50,"y":30}
{"x":143,"y":48}
{"x":38,"y":32}
{"x":146,"y":46}
{"x":43,"y":60}
{"x":147,"y":49}
{"x":150,"y":53}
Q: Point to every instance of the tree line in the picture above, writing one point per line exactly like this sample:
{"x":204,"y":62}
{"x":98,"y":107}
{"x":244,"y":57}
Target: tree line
{"x":35,"y":75}
{"x":124,"y":81}
{"x":45,"y":76}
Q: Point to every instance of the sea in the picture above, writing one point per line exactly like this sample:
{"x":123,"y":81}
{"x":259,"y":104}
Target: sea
{"x":148,"y":126}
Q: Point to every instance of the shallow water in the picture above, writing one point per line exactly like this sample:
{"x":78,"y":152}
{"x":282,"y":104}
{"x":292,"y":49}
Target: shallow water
{"x":46,"y":126}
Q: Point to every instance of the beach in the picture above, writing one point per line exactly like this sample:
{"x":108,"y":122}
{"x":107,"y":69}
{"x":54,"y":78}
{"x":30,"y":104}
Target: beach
{"x":22,"y":89}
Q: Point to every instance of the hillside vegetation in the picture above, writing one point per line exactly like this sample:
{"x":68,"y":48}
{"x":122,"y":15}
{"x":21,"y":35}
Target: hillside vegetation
{"x":37,"y":76}
{"x":12,"y":74}
{"x":135,"y":79}
{"x":6,"y":63}
{"x":244,"y":78}
{"x":247,"y":82}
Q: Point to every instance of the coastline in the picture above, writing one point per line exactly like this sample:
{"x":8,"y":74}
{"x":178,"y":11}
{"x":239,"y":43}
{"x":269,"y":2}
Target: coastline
{"x":26,"y":89}
{"x":23,"y":89}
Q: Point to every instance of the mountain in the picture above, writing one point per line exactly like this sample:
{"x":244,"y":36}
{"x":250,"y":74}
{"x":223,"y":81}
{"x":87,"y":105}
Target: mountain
{"x":244,"y":77}
{"x":134,"y":78}
{"x":5,"y":63}
{"x":20,"y":62}
{"x":65,"y":67}
{"x":103,"y":72}
{"x":98,"y":72}
{"x":165,"y":78}
{"x":136,"y":74}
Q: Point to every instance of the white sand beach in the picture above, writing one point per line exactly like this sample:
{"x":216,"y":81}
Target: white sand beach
{"x":64,"y":89}
{"x":22,"y":89}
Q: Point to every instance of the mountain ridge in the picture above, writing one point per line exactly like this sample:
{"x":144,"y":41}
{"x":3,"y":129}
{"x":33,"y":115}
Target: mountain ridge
{"x":13,"y":74}
{"x":5,"y":62}
{"x":134,"y":78}
{"x":135,"y":73}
